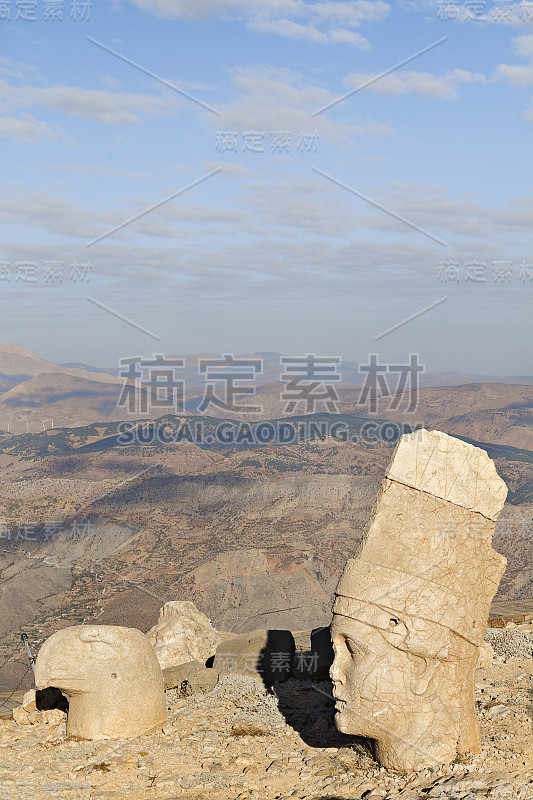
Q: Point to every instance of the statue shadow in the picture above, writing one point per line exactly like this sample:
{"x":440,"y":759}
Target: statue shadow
{"x":50,"y":698}
{"x":305,"y":699}
{"x":301,"y":684}
{"x":309,"y":708}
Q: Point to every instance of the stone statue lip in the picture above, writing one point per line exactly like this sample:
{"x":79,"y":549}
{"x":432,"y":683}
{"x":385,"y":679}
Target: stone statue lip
{"x":338,"y":698}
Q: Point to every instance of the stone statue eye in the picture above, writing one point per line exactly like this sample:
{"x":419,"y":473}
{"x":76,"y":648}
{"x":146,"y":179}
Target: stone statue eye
{"x":350,"y":647}
{"x":353,"y":648}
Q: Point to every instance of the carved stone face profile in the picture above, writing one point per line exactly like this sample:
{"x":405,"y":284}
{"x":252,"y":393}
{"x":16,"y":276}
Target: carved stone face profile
{"x":410,"y":705}
{"x":411,"y":607}
{"x":372,"y":680}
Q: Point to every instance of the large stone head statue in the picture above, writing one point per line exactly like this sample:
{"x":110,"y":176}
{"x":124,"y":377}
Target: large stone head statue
{"x":411,"y":608}
{"x":112,"y":677}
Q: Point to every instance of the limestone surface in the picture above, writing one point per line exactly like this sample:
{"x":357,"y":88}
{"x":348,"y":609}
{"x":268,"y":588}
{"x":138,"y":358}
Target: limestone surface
{"x":183,"y":634}
{"x":190,"y":678}
{"x":111,"y":676}
{"x":486,"y":655}
{"x":411,"y":608}
{"x":240,"y":742}
{"x":446,"y":467}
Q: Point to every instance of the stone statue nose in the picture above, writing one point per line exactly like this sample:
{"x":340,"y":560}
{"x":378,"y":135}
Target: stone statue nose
{"x":336,"y":674}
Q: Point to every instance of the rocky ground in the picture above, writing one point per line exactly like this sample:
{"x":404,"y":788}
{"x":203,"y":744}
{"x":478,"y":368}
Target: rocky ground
{"x":243,"y":742}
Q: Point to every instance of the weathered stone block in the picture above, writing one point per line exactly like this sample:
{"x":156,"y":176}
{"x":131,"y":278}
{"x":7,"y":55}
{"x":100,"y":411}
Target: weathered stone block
{"x":183,"y":634}
{"x":266,"y":654}
{"x":190,"y":678}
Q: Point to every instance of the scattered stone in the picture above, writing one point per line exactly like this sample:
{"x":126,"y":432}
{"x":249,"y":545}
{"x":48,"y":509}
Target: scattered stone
{"x":28,"y":714}
{"x":510,"y":643}
{"x":234,"y":742}
{"x":183,"y":634}
{"x":249,"y":729}
{"x":498,"y":710}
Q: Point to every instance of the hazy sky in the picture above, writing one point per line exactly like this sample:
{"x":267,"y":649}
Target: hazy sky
{"x":321,"y":229}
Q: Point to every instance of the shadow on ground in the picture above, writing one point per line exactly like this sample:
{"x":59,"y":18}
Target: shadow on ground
{"x":309,"y":708}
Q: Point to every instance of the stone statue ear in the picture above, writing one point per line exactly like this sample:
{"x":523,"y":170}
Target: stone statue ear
{"x":398,"y":628}
{"x":424,"y":670}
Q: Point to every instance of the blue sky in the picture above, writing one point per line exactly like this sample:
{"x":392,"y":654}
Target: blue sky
{"x":270,"y":252}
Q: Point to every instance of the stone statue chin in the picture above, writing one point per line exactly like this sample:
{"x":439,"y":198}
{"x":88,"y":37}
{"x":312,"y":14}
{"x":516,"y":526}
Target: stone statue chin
{"x":408,"y":704}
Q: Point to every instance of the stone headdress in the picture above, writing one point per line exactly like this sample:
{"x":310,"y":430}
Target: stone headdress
{"x":426,"y":559}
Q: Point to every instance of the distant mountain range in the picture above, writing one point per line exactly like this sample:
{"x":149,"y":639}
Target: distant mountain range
{"x":36,"y":394}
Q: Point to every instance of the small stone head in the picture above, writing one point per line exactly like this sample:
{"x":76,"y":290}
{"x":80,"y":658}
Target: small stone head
{"x":111,"y":675}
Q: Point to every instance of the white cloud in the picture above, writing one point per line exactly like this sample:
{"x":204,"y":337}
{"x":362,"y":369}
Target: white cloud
{"x":37,"y":209}
{"x":113,"y":108}
{"x":28,"y":129}
{"x":17,"y":69}
{"x":311,"y":241}
{"x":295,"y":30}
{"x":281,"y":212}
{"x":517,"y":75}
{"x":318,"y":22}
{"x":353,"y":14}
{"x":349,"y":37}
{"x":184,"y":9}
{"x":422,"y":84}
{"x":281,"y":100}
{"x":523,"y":45}
{"x":288,"y":28}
